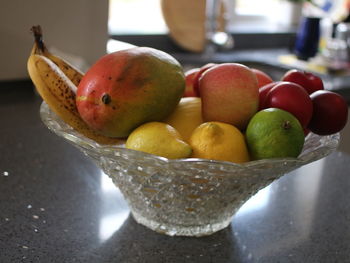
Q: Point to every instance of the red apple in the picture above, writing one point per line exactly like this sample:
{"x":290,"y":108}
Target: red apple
{"x":307,"y":80}
{"x":293,"y":98}
{"x":198,"y":76}
{"x":189,"y":77}
{"x":262,"y":77}
{"x":330,"y":112}
{"x":263,"y":92}
{"x":229,"y":93}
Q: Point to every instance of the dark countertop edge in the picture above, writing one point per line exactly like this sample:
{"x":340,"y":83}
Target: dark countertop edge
{"x":263,"y":56}
{"x":243,"y":40}
{"x":23,"y":83}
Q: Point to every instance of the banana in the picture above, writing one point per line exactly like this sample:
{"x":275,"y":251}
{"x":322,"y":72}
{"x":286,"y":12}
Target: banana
{"x":58,"y":91}
{"x":74,"y":74}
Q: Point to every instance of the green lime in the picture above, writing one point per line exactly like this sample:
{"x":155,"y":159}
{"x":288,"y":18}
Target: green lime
{"x":274,"y":133}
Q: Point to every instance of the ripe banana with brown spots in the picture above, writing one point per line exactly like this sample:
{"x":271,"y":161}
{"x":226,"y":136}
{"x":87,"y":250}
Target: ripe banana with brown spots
{"x":58,"y":91}
{"x":74,"y":74}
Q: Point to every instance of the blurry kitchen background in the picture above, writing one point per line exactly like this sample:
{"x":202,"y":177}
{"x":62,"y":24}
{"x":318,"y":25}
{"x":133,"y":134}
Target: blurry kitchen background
{"x":82,"y":30}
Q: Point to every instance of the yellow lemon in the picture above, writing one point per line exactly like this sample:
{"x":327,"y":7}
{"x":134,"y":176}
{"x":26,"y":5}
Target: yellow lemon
{"x":186,"y":116}
{"x":160,"y":139}
{"x":219,"y":141}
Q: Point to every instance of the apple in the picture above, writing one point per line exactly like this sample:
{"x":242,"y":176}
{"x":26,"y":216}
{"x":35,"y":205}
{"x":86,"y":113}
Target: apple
{"x":262,"y":77}
{"x":307,"y":80}
{"x":330,"y":112}
{"x":263,"y":92}
{"x":229,"y":93}
{"x":293,"y":98}
{"x":198,"y":76}
{"x":189,"y":78}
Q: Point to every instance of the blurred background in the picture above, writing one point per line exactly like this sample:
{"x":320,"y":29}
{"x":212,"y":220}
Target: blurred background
{"x":83,"y":30}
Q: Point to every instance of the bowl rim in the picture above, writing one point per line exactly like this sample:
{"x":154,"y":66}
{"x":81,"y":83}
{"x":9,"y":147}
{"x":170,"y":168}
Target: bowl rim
{"x":329,"y":144}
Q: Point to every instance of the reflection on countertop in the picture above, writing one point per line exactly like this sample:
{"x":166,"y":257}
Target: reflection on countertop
{"x":57,"y":206}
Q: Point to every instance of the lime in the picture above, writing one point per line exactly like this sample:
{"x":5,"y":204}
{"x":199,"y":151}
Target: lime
{"x":160,"y":139}
{"x":274,"y":133}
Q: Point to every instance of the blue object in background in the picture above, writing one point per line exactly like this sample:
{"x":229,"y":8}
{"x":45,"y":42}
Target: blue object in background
{"x":308,"y":36}
{"x":327,"y":5}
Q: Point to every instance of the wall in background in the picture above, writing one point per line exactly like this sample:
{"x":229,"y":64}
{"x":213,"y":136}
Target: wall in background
{"x":77,"y":27}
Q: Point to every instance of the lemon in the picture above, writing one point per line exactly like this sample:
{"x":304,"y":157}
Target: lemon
{"x":219,"y":141}
{"x":273,"y":133}
{"x":160,"y":139}
{"x":186,"y":116}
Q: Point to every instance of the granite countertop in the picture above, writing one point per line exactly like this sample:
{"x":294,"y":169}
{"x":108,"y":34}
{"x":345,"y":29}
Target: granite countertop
{"x":57,"y":206}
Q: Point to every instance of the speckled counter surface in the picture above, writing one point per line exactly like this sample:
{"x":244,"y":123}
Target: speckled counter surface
{"x":57,"y":206}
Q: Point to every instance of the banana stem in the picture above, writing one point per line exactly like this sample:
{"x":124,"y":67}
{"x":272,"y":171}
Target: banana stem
{"x":38,"y":36}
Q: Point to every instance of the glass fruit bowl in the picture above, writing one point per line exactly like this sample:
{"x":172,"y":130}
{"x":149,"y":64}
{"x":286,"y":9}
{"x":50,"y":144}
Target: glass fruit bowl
{"x":187,"y":197}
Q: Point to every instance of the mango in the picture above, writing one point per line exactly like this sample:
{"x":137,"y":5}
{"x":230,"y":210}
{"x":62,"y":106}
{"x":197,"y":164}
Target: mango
{"x":127,"y":88}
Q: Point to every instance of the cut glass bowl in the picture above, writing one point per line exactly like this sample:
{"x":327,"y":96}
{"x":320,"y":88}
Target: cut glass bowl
{"x":187,"y":197}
